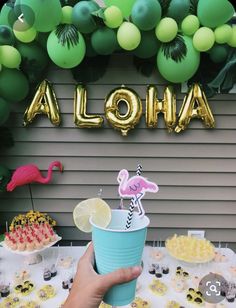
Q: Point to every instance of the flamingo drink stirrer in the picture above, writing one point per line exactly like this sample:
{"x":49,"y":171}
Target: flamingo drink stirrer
{"x":134,"y":187}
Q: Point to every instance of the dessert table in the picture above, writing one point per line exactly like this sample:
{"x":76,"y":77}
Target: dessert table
{"x":11,"y":263}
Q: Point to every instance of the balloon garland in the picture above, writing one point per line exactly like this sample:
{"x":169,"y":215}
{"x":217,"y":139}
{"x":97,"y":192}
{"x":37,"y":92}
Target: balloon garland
{"x":72,"y":32}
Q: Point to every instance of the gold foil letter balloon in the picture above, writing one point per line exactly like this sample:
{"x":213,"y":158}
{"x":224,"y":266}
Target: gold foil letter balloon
{"x":167,"y":106}
{"x":134,"y":109}
{"x":44,"y":102}
{"x":81,"y":118}
{"x":195,"y":105}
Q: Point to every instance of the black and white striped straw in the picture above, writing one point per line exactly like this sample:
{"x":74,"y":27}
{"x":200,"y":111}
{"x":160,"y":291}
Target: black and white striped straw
{"x":132,"y":202}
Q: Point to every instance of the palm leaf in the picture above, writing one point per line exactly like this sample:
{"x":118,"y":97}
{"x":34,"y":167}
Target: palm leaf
{"x":67,"y":35}
{"x":176,"y":49}
{"x":164,"y":6}
{"x":193,"y":7}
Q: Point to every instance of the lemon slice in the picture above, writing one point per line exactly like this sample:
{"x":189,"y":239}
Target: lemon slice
{"x":96,"y":208}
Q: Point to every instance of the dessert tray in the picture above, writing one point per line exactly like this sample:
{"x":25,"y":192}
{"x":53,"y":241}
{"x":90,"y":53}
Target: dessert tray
{"x":27,"y":252}
{"x":190,"y":249}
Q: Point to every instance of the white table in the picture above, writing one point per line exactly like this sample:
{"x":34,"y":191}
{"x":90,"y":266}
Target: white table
{"x":10,"y":263}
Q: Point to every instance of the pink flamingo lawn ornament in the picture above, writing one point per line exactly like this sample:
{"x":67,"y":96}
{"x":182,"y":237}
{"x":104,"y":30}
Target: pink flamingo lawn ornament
{"x":135,"y":187}
{"x":30,"y":173}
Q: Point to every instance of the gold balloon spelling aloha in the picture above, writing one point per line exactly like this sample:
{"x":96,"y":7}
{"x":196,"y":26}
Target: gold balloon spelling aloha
{"x":44,"y":102}
{"x":134,"y":109}
{"x":195,"y":105}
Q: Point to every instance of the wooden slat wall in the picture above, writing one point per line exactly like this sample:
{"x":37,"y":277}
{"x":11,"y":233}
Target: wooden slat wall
{"x":196,"y":170}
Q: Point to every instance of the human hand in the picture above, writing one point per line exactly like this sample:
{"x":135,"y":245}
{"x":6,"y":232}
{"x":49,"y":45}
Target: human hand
{"x":89,"y":287}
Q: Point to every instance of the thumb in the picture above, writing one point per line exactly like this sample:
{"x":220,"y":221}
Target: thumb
{"x":120,"y":276}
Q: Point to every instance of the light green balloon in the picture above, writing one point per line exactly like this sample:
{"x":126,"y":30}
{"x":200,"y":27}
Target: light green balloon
{"x":128,"y":36}
{"x":10,"y":56}
{"x":232,"y":40}
{"x":67,"y":14}
{"x":203,"y":39}
{"x":48,"y":14}
{"x":166,"y":30}
{"x":190,"y":25}
{"x":223,"y":34}
{"x":64,"y":56}
{"x":181,"y":71}
{"x":113,"y":17}
{"x":124,"y":5}
{"x":26,"y":36}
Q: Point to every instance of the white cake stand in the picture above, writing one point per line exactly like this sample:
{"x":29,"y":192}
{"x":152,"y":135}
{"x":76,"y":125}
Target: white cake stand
{"x":34,"y":256}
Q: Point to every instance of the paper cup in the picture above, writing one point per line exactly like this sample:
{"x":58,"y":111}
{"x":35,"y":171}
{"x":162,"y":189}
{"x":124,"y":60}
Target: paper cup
{"x":117,"y":248}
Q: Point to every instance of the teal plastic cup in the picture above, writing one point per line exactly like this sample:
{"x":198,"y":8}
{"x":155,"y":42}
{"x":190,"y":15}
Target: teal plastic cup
{"x":117,"y":248}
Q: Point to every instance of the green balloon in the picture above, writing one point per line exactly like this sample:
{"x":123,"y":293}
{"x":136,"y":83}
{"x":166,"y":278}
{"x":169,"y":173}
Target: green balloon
{"x":47,"y":14}
{"x":179,"y":71}
{"x":166,"y":30}
{"x":203,"y":39}
{"x":214,"y":13}
{"x":223,"y":34}
{"x":82,"y":16}
{"x":14,"y":86}
{"x":26,"y":36}
{"x":34,"y":60}
{"x":128,"y":36}
{"x":33,"y":53}
{"x":218,"y":53}
{"x":113,"y":17}
{"x":5,"y":177}
{"x":42,"y":39}
{"x":148,"y":46}
{"x":124,"y":5}
{"x":6,"y":35}
{"x":67,"y":15}
{"x":190,"y":25}
{"x":4,"y":112}
{"x":104,"y":41}
{"x":178,"y":9}
{"x":146,"y":14}
{"x":10,"y":56}
{"x":7,"y":15}
{"x":66,"y":54}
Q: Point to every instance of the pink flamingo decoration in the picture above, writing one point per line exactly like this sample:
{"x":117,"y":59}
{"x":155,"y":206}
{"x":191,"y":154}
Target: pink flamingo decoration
{"x":30,"y":173}
{"x":135,"y":187}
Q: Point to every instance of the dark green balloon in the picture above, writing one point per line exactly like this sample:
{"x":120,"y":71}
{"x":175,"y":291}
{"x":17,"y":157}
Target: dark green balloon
{"x":47,"y":14}
{"x":4,"y":111}
{"x":14,"y":86}
{"x":42,"y":39}
{"x":179,"y":71}
{"x":219,"y":53}
{"x":214,"y":13}
{"x":5,"y":177}
{"x":146,"y":14}
{"x":148,"y":46}
{"x":6,"y":35}
{"x":82,"y":16}
{"x":178,"y":9}
{"x":34,"y":60}
{"x":7,"y":15}
{"x":104,"y":41}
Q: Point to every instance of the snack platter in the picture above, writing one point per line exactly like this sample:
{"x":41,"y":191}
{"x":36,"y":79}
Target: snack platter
{"x":145,"y":287}
{"x":28,"y":253}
